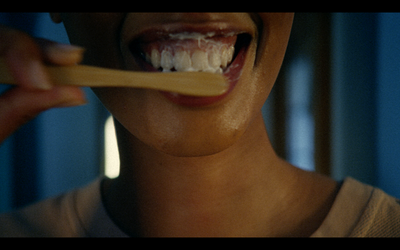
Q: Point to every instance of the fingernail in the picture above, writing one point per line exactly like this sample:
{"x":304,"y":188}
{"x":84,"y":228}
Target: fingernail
{"x":69,"y":47}
{"x":65,"y":48}
{"x":39,"y":77}
{"x":60,"y":51}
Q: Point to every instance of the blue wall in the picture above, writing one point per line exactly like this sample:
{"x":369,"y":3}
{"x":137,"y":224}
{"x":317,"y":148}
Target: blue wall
{"x":354,"y":95}
{"x":388,"y":108}
{"x":366,"y":98}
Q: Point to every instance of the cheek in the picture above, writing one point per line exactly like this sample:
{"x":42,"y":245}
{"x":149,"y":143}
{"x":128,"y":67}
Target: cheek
{"x":272,"y":49}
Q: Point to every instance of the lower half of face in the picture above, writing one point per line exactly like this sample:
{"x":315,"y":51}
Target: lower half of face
{"x":247,"y":48}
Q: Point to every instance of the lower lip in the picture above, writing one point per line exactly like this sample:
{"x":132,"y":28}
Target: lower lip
{"x":232,"y":74}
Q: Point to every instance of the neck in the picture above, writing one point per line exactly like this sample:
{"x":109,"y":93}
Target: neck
{"x":236,"y":192}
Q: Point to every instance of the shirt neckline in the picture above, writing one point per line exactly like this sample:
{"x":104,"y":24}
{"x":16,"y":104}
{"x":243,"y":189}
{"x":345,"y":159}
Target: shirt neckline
{"x":92,"y":214}
{"x":346,"y":210}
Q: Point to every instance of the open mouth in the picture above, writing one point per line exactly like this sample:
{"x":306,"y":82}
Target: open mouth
{"x":222,"y":53}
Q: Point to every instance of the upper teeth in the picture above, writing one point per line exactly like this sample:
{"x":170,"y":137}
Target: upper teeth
{"x":214,"y":58}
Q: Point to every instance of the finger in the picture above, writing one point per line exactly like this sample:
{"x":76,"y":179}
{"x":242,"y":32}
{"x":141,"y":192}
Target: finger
{"x":23,"y":58}
{"x":59,"y":53}
{"x":20,"y":105}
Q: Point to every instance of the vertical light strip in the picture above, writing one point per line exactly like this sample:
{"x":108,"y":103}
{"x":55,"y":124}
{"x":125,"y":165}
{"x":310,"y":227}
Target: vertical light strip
{"x":111,"y":158}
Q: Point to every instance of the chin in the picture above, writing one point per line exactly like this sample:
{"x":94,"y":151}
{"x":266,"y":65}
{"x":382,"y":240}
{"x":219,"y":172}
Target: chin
{"x":186,"y":134}
{"x":193,"y":147}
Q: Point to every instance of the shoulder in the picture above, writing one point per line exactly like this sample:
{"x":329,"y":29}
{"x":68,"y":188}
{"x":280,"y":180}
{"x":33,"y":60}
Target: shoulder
{"x":380,"y":218}
{"x":361,"y":210}
{"x":55,"y":217}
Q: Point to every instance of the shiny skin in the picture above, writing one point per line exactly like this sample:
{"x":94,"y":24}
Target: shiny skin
{"x":170,"y":128}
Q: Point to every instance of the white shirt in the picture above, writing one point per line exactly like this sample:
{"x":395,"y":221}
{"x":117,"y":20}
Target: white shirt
{"x":358,"y":211}
{"x":80,"y":213}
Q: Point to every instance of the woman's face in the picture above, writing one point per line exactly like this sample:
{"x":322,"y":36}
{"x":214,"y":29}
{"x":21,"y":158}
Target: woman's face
{"x":248,"y":48}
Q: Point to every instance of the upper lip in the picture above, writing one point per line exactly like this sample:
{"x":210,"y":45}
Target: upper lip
{"x":160,"y":32}
{"x":163,"y":32}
